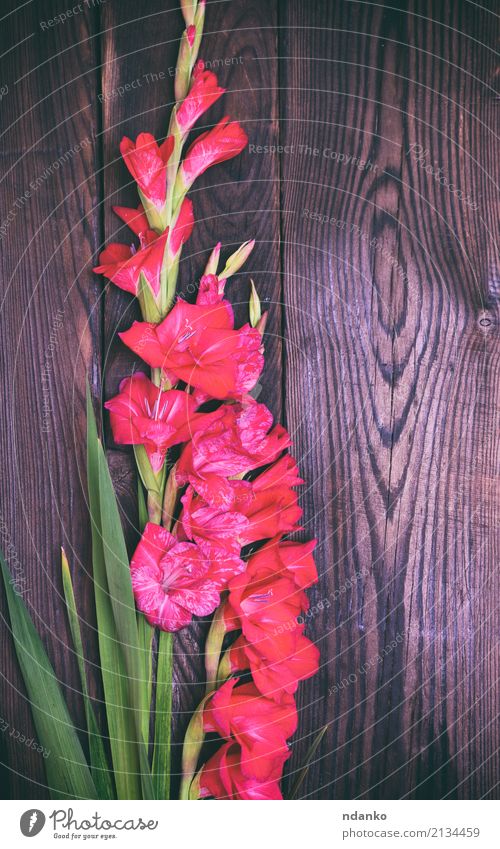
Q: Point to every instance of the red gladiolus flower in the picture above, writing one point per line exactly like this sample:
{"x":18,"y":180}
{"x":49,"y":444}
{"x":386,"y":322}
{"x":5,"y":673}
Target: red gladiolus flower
{"x":255,"y":514}
{"x":273,"y":508}
{"x":173,"y":580}
{"x":297,"y":659}
{"x":265,"y":603}
{"x":123,"y":264}
{"x":284,"y":472}
{"x":198,"y":345}
{"x":182,"y":229}
{"x":210,"y":290}
{"x":202,"y":94}
{"x":216,"y":532}
{"x":147,"y":162}
{"x":210,"y":526}
{"x":271,"y":591}
{"x":142,"y":414}
{"x":226,"y":140}
{"x":222,"y":777}
{"x":270,"y":512}
{"x":287,"y":558}
{"x":261,"y":726}
{"x":237,"y":440}
{"x":136,"y":220}
{"x":265,"y":607}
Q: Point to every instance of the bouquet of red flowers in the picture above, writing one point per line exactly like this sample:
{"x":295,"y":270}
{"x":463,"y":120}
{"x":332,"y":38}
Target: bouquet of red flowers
{"x":217,"y":499}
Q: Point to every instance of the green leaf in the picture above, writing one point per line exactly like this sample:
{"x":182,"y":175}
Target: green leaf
{"x":144,"y":629}
{"x":146,"y":633}
{"x":98,"y":759}
{"x":124,"y":612}
{"x":119,"y":712}
{"x":142,"y":507}
{"x":68,"y":774}
{"x":303,"y":772}
{"x":152,"y":482}
{"x":193,"y":744}
{"x":149,"y":307}
{"x":163,"y":717}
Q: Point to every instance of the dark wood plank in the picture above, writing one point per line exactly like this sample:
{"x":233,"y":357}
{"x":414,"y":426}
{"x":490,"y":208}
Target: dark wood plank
{"x":392,"y":365}
{"x":50,"y":341}
{"x":233,"y":202}
{"x":390,"y":340}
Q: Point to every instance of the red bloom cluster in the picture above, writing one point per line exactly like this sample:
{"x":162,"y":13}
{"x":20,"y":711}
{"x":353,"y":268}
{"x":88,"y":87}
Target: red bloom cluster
{"x":256,"y":719}
{"x":250,"y":763}
{"x":233,"y":484}
{"x":172,"y":580}
{"x":200,"y":346}
{"x":164,"y":220}
{"x":203,"y":93}
{"x":143,"y":414}
{"x":124,"y":264}
{"x":226,"y":140}
{"x":175,"y":576}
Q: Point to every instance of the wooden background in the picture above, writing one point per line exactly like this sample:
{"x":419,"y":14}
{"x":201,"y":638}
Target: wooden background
{"x":383,"y":353}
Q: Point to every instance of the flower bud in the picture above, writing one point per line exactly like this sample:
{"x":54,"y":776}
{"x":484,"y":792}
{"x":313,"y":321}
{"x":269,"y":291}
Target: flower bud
{"x":225,"y":669}
{"x":153,"y":481}
{"x":213,"y":261}
{"x":189,"y":10}
{"x":261,"y":324}
{"x":254,"y":306}
{"x":148,"y":163}
{"x":188,"y":50}
{"x":170,"y":500}
{"x":193,"y":742}
{"x":237,"y":259}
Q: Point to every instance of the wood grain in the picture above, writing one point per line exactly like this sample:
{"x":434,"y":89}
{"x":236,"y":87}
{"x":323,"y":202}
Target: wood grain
{"x":49,"y":343}
{"x":382,"y":348}
{"x":397,"y":418}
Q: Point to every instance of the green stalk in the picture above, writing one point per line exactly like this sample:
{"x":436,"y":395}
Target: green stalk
{"x":154,"y":506}
{"x":68,"y":774}
{"x":98,"y":760}
{"x":213,"y":648}
{"x":124,"y":751}
{"x":145,"y":633}
{"x":193,"y":743}
{"x":310,"y":754}
{"x":163,"y":717}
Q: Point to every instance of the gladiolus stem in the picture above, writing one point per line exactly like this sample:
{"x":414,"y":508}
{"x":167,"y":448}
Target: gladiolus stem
{"x":224,"y":670}
{"x":170,"y":500}
{"x":154,"y":507}
{"x":194,"y":790}
{"x":156,"y":376}
{"x":163,"y":716}
{"x":213,"y":647}
{"x":193,"y":742}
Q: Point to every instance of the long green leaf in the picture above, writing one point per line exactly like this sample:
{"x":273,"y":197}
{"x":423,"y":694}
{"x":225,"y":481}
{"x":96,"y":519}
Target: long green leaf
{"x":98,"y":759}
{"x":163,"y":717}
{"x":142,"y":507}
{"x":146,"y":633}
{"x":145,"y":630}
{"x":309,"y":756}
{"x":121,"y":724}
{"x":68,"y":774}
{"x":124,"y":612}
